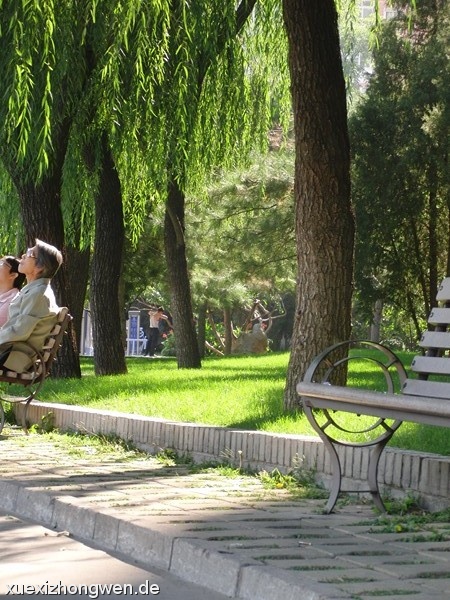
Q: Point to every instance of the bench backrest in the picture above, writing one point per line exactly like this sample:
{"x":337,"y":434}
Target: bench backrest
{"x":47,"y":353}
{"x":432,"y":369}
{"x":55,"y":338}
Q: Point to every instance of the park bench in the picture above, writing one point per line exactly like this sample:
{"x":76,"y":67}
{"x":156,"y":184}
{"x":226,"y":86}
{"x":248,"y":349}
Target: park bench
{"x":31,"y":381}
{"x":423,"y":397}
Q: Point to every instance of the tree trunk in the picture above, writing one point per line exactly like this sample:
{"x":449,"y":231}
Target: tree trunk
{"x":109,"y":351}
{"x":201,"y":328}
{"x":40,"y":207}
{"x":375,"y":327}
{"x":188,"y":356}
{"x":78,"y":280}
{"x":324,"y":217}
{"x":228,"y":330}
{"x":432,"y":178}
{"x":447,"y":214}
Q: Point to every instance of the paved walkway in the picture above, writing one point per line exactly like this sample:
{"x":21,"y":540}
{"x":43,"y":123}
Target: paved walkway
{"x":228,"y":534}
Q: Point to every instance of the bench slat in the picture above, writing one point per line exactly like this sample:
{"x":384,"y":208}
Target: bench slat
{"x":438,"y":389}
{"x":50,"y":343}
{"x":433,"y":365}
{"x":429,"y":410}
{"x":443,"y":293}
{"x":439,"y":316}
{"x":435,"y":339}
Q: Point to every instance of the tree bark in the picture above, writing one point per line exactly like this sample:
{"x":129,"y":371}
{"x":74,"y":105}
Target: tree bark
{"x":432,"y":178}
{"x":78,"y":275}
{"x":40,"y":207}
{"x":109,"y":351}
{"x":228,"y":330}
{"x":201,"y":328}
{"x":188,"y":356}
{"x":375,"y":327}
{"x":324,"y":217}
{"x":42,"y":217}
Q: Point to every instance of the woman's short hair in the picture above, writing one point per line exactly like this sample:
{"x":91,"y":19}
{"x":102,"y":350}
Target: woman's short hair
{"x":13,"y":264}
{"x":48,"y":258}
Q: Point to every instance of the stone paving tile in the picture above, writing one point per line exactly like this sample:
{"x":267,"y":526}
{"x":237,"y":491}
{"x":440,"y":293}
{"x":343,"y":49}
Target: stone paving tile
{"x":275,"y":551}
{"x":426,"y":547}
{"x":441,"y":586}
{"x":350,"y":549}
{"x":409,"y":595}
{"x":383,"y":589}
{"x":394,"y":561}
{"x":346,"y":576}
{"x":317,"y":567}
{"x":420,"y":571}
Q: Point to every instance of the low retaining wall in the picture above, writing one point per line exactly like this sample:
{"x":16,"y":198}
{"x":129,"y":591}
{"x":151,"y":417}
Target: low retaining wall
{"x":401,"y":472}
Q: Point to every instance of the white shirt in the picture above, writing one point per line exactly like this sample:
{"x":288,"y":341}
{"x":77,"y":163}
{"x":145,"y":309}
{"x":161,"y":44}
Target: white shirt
{"x":5,"y":301}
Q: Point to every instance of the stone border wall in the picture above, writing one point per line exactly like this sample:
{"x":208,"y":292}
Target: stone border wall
{"x":401,"y":472}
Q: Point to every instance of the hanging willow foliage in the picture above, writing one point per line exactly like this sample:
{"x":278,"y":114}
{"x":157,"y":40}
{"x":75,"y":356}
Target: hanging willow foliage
{"x":180,"y":87}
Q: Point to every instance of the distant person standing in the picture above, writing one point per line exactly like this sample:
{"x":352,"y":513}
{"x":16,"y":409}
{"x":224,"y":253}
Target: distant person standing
{"x":156,"y":316}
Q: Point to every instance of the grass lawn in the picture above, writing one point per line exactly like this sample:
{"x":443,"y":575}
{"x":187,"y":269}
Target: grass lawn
{"x":239,"y":392}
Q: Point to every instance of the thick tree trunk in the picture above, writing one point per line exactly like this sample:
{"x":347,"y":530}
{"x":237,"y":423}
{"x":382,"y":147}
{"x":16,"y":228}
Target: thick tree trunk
{"x":40,"y":207}
{"x":324,"y":218}
{"x":109,"y":351}
{"x":42,"y":217}
{"x":188,"y":356}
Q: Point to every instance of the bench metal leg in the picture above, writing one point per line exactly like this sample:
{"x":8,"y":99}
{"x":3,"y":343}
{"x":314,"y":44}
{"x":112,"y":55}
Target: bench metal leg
{"x":25,"y":413}
{"x":372,"y":473}
{"x":376,"y":445}
{"x":336,"y":480}
{"x":334,"y":458}
{"x":336,"y":477}
{"x":25,"y":402}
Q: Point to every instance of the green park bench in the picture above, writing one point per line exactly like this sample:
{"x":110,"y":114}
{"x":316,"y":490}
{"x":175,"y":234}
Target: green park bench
{"x":423,"y":397}
{"x":31,"y":381}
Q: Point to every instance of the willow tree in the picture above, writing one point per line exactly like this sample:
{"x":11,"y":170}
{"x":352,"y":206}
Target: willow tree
{"x":213,"y":103}
{"x":35,"y":118}
{"x":124,"y":52}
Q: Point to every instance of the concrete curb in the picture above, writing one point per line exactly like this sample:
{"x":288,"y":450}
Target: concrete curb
{"x":187,"y":559}
{"x":425,"y":476}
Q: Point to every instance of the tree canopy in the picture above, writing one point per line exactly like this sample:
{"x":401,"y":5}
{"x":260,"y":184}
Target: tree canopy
{"x":400,"y":136}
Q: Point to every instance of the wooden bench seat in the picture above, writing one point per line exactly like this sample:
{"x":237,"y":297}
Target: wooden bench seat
{"x":422,"y":397}
{"x":32,"y":380}
{"x":428,"y":410}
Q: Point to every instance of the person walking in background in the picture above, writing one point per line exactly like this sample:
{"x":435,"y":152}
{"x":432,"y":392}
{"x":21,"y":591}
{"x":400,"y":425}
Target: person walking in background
{"x":156,"y":316}
{"x":10,"y":283}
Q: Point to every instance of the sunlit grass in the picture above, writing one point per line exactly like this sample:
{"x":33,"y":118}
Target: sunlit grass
{"x":239,"y":392}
